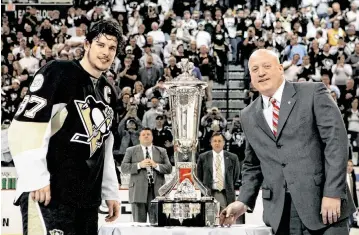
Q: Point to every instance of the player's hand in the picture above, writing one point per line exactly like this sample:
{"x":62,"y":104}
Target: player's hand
{"x":145,"y":163}
{"x":330,"y":210}
{"x":230,"y":214}
{"x":113,"y":210}
{"x":42,"y":195}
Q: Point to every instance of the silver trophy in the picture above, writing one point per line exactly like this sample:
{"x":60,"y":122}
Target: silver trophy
{"x":184,"y":200}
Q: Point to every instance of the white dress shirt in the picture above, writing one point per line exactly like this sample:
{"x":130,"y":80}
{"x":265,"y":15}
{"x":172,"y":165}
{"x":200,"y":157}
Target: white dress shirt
{"x":268,"y":107}
{"x":151,"y":156}
{"x":214,"y":168}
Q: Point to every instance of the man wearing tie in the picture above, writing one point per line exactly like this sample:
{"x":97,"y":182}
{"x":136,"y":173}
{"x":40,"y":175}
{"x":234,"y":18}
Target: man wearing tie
{"x":296,"y":151}
{"x":219,"y":171}
{"x":147,"y":165}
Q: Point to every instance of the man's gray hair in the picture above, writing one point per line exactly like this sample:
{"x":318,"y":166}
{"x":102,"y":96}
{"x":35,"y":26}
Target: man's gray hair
{"x":269,"y":52}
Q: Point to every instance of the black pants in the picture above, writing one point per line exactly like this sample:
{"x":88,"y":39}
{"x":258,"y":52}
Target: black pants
{"x":291,"y":224}
{"x":37,"y":218}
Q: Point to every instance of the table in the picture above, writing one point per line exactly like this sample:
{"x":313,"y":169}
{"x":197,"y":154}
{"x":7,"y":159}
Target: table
{"x":146,"y":229}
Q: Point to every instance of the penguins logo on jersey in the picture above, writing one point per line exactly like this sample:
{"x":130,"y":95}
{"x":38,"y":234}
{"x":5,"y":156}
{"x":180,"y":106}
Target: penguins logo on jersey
{"x":97,"y":120}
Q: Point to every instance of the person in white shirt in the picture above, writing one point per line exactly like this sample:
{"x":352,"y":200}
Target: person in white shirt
{"x":30,"y":63}
{"x":291,"y":69}
{"x":187,"y":22}
{"x":171,"y":47}
{"x":223,"y":168}
{"x":157,"y":35}
{"x":320,"y":39}
{"x":134,"y":22}
{"x":166,"y":5}
{"x":312,"y":29}
{"x":156,"y":59}
{"x":230,"y":22}
{"x":76,"y":41}
{"x":352,"y":16}
{"x":203,"y":38}
{"x":341,"y":73}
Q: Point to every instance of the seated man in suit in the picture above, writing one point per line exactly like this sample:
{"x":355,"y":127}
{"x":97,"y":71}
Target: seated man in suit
{"x":147,"y":165}
{"x":219,"y":170}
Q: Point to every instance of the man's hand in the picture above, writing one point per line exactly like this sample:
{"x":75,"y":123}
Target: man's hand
{"x":230,"y":214}
{"x":168,"y":144}
{"x":153,"y":163}
{"x":113,"y":210}
{"x":42,"y":195}
{"x":330,"y":210}
{"x":348,"y":96}
{"x":145,"y":163}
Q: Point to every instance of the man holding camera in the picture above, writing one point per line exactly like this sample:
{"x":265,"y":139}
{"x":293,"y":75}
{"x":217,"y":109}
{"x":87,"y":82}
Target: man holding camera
{"x":212,"y":122}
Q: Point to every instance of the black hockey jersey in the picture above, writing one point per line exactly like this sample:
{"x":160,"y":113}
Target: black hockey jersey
{"x":61,"y":135}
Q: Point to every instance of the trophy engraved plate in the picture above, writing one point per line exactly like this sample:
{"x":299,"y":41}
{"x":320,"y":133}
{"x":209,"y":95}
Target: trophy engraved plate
{"x":180,"y":203}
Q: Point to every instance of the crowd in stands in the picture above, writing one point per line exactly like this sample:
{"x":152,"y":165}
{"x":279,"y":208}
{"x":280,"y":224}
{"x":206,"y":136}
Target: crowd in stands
{"x":316,"y":41}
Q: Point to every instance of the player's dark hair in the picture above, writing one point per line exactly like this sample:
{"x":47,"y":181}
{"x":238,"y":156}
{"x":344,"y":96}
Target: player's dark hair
{"x":108,"y":27}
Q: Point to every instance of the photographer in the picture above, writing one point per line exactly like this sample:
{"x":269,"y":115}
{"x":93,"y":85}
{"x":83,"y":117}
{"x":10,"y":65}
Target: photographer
{"x":129,"y":132}
{"x":246,"y":49}
{"x":212,"y":122}
{"x":236,"y":139}
{"x":158,"y":91}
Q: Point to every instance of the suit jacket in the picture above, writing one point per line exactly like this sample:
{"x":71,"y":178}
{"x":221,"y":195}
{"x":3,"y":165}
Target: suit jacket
{"x":232,"y":172}
{"x":138,"y":186}
{"x":309,"y":155}
{"x":149,"y":82}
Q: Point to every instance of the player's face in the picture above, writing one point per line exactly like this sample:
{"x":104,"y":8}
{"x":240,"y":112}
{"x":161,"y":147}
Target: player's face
{"x":102,"y":51}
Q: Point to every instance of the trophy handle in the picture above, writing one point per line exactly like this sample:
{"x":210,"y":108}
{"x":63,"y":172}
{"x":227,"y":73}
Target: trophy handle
{"x":165,"y":189}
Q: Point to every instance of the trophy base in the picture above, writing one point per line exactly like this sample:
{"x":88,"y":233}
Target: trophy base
{"x":191,"y":213}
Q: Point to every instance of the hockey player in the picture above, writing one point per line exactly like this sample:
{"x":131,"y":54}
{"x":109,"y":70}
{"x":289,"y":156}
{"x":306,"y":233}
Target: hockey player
{"x":61,"y":142}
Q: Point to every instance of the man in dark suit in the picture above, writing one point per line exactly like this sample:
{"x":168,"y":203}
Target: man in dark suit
{"x":219,"y":170}
{"x":147,"y":165}
{"x":297,"y":151}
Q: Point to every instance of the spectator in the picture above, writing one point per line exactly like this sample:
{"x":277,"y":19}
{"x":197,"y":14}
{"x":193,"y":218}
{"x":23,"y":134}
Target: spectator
{"x":292,"y":69}
{"x":162,"y":137}
{"x":295,"y":48}
{"x":206,"y":66}
{"x":341,"y":73}
{"x":149,"y":74}
{"x":307,"y":70}
{"x":30,"y":63}
{"x":353,"y":60}
{"x":326,"y":80}
{"x":334,"y":33}
{"x":149,"y":119}
{"x":128,"y":131}
{"x":148,"y":53}
{"x":127,"y":74}
{"x":347,"y":94}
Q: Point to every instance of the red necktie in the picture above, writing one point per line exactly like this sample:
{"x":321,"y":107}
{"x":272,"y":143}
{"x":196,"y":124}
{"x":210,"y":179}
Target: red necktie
{"x":275,"y":115}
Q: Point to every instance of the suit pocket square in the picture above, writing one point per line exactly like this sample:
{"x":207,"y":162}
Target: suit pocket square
{"x":266,"y":194}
